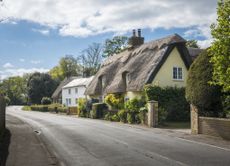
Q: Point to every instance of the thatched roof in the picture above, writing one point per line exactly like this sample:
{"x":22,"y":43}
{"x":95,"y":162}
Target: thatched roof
{"x":78,"y":82}
{"x":57,"y":92}
{"x":141,"y":63}
{"x":194,"y":52}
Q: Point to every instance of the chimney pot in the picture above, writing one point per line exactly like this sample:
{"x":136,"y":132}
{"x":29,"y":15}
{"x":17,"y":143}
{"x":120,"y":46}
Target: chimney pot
{"x":139,"y":32}
{"x":134,"y":32}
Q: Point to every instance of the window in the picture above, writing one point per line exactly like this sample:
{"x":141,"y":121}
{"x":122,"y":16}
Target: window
{"x":67,"y":102}
{"x":76,"y":100}
{"x":70,"y":101}
{"x":177,"y":73}
{"x":76,"y":90}
{"x":69,"y":91}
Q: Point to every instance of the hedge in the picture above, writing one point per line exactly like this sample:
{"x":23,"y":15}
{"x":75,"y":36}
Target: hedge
{"x":98,"y":110}
{"x":170,"y":99}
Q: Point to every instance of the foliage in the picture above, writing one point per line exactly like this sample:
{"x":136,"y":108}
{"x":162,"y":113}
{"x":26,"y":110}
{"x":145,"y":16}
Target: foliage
{"x":199,"y":92}
{"x":46,"y":100}
{"x":41,"y":108}
{"x":115,"y":45}
{"x":172,"y":99}
{"x":7,"y":100}
{"x":142,"y":114}
{"x":162,"y":116}
{"x":40,"y":85}
{"x":115,"y":118}
{"x":99,"y":109}
{"x":192,"y":44}
{"x":57,"y":73}
{"x":108,"y":116}
{"x":15,"y":89}
{"x":134,"y":104}
{"x":116,"y":101}
{"x":220,"y":48}
{"x":69,"y":66}
{"x":91,"y":59}
{"x":26,"y":108}
{"x":131,"y":117}
{"x":82,"y":107}
{"x":122,"y":115}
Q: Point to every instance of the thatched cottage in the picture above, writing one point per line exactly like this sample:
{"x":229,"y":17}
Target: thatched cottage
{"x":164,"y":62}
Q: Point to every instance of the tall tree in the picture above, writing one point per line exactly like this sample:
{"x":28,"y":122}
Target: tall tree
{"x":115,"y":45}
{"x":56,"y":73}
{"x":91,"y":59}
{"x":69,"y":66}
{"x":220,"y":48}
{"x":40,"y":85}
{"x":192,"y":43}
{"x":15,"y":89}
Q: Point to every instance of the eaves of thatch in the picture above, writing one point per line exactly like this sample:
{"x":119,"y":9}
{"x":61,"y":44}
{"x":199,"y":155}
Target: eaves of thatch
{"x":141,"y":63}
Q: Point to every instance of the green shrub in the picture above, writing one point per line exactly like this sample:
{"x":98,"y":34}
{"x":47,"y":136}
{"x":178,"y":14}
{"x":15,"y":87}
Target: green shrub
{"x":134,"y":104}
{"x":93,"y":114}
{"x":26,"y":108}
{"x":82,"y":107}
{"x":115,"y":118}
{"x":206,"y":97}
{"x":7,"y":100}
{"x":41,"y":108}
{"x":172,"y":100}
{"x":116,"y":101}
{"x":62,"y":109}
{"x":142,"y":114}
{"x":131,"y":117}
{"x":99,"y":110}
{"x":108,"y":116}
{"x":162,"y":116}
{"x":122,"y":115}
{"x":46,"y":101}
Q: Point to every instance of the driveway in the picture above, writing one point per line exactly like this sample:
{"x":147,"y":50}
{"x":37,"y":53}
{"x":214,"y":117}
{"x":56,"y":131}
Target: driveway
{"x":78,"y":141}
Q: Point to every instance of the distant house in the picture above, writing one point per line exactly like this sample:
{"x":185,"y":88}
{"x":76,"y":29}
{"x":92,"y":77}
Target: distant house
{"x":163,"y":62}
{"x":57,"y":95}
{"x":74,"y":90}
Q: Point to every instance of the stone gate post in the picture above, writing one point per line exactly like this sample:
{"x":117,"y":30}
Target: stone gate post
{"x":2,"y":112}
{"x":152,"y":113}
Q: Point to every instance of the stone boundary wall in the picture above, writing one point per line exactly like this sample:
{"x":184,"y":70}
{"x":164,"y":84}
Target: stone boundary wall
{"x":218,"y":127}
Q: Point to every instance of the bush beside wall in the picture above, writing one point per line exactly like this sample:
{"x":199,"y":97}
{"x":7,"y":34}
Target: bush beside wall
{"x":170,"y":99}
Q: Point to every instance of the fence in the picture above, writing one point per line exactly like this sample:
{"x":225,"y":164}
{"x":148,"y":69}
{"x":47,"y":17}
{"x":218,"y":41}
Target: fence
{"x":218,"y":127}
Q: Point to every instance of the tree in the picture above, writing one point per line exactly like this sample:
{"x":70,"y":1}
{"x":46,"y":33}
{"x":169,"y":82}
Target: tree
{"x":40,"y":85}
{"x":91,"y":59}
{"x":220,"y":48}
{"x":115,"y":45}
{"x":69,"y":66}
{"x":206,"y":97}
{"x":192,"y":43}
{"x":56,"y":73}
{"x":15,"y":89}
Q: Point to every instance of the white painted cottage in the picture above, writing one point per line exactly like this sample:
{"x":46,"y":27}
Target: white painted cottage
{"x":74,"y":90}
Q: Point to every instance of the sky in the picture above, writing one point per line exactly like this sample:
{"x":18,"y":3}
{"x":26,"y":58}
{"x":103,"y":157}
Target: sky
{"x":35,"y":34}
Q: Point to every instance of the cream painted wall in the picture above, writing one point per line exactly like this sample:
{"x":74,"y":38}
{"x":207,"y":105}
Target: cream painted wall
{"x":164,"y":76}
{"x":132,"y":95}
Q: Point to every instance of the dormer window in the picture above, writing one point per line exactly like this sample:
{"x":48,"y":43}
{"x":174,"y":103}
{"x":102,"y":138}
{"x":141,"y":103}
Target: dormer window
{"x":103,"y":81}
{"x":127,"y":78}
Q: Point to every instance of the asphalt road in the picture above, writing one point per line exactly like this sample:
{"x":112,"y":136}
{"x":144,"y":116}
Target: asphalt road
{"x":79,"y":141}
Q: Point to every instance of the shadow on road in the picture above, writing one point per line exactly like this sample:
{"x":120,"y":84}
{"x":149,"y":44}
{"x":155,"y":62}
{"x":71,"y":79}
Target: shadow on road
{"x":4,"y":147}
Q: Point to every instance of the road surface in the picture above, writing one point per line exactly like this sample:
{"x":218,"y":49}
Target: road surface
{"x":78,"y":141}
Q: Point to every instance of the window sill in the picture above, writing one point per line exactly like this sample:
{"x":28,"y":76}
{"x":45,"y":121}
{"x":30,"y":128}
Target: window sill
{"x":177,"y":80}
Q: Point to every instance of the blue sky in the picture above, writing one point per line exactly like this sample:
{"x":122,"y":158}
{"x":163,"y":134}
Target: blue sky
{"x":35,"y":35}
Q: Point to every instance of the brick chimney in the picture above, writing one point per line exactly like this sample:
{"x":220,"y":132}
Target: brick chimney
{"x":136,"y":40}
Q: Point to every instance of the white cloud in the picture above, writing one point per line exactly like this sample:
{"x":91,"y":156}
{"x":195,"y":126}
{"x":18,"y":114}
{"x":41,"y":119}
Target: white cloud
{"x":20,"y":72}
{"x":35,"y":62}
{"x":8,"y":65}
{"x":89,"y":17}
{"x":42,"y":31}
{"x":205,"y":43}
{"x":22,"y":60}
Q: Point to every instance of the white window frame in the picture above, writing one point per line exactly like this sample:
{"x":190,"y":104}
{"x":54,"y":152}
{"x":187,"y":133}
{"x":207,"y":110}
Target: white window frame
{"x":76,"y":90}
{"x":177,"y":73}
{"x":69,"y":91}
